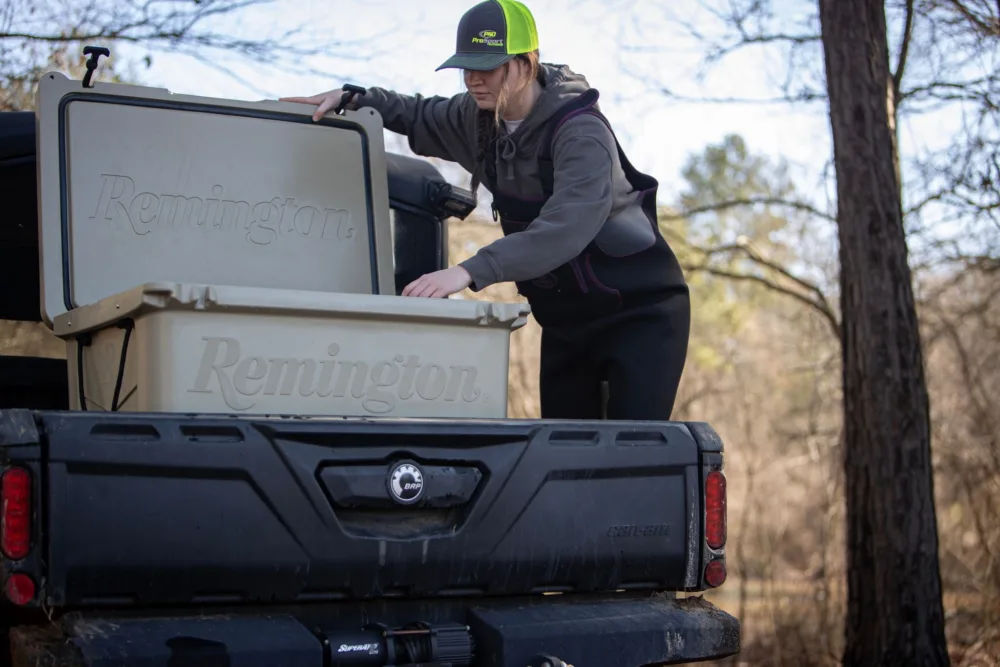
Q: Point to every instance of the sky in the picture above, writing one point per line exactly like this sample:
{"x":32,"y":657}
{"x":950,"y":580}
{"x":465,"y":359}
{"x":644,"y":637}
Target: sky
{"x":397,"y":44}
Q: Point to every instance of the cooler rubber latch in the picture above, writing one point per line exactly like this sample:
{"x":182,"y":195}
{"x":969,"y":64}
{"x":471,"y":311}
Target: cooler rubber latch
{"x":95,"y":53}
{"x":350,"y":90}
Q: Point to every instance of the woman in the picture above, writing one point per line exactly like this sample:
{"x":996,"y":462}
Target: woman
{"x":580,"y":240}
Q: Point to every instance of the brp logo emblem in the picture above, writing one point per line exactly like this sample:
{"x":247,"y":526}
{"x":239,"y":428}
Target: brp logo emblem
{"x":406,"y":483}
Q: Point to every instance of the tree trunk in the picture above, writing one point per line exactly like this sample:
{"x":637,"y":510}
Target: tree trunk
{"x":895,"y":614}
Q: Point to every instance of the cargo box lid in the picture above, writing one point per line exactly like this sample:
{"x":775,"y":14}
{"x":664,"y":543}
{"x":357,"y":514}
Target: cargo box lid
{"x":151,"y":297}
{"x":139,"y":185}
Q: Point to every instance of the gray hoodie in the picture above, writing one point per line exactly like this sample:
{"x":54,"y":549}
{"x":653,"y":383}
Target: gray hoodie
{"x":592,"y":199}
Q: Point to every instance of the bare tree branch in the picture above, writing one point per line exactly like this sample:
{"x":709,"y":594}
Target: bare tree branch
{"x":947,"y":59}
{"x":751,"y":201}
{"x":971,"y":90}
{"x":904,"y":49}
{"x":31,"y":31}
{"x":813,"y":295}
{"x":827,"y":314}
{"x":986,"y":21}
{"x":805,"y":96}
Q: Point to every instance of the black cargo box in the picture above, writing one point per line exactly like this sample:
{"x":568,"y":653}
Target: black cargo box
{"x":175,"y":509}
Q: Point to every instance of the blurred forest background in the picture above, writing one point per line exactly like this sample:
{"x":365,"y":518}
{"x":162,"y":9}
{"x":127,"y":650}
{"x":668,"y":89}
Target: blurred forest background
{"x":760,"y":251}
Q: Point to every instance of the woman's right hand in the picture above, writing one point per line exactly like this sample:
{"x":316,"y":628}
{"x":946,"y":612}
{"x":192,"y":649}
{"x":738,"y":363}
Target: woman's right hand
{"x":324,"y":101}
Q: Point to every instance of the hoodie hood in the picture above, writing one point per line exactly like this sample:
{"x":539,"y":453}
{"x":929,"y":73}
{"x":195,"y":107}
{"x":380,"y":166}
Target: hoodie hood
{"x":560,"y":86}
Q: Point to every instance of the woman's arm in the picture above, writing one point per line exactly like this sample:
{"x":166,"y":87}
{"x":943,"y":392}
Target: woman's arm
{"x":580,"y":204}
{"x":436,"y":126}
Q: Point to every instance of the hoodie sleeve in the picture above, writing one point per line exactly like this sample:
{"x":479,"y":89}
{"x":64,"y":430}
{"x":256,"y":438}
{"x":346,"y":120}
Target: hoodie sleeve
{"x":583,"y":158}
{"x":435,"y":126}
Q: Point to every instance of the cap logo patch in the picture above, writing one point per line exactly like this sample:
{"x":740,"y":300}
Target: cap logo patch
{"x":489,"y":38}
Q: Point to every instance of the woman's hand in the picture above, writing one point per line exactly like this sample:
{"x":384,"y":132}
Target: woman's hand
{"x":440,"y":283}
{"x":325,"y":101}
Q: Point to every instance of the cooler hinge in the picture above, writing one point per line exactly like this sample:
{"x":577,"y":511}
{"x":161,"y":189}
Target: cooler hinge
{"x":85,"y":340}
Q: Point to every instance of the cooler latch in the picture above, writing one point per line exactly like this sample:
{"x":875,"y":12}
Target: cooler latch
{"x":95,"y":53}
{"x":350,"y":90}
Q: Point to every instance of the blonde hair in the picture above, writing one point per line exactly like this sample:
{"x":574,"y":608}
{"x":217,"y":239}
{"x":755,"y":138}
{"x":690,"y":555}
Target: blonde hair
{"x":531,"y":60}
{"x":487,"y":122}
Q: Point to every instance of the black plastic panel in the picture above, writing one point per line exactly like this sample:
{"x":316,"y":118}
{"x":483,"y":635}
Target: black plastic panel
{"x":38,"y":383}
{"x":167,"y":509}
{"x":419,"y":245}
{"x":616,"y":630}
{"x":627,"y":632}
{"x":254,"y":641}
{"x":19,"y":275}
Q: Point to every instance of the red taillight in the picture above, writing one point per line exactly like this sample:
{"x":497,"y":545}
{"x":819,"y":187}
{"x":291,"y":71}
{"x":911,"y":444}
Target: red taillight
{"x":715,"y":573}
{"x":15,"y":515}
{"x":20,"y":588}
{"x":715,"y":509}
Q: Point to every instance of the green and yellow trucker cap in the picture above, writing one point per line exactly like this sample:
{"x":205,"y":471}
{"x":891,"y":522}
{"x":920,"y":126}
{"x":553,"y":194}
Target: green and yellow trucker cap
{"x":491,"y":33}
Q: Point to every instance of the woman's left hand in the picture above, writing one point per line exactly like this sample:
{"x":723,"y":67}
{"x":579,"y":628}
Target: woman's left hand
{"x":439,"y":284}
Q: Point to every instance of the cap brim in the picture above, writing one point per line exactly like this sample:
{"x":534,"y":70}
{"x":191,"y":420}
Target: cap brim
{"x":479,"y":62}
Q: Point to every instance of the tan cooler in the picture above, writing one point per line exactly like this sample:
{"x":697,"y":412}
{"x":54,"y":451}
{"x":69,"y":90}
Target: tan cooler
{"x":170,"y":347}
{"x":139,"y":185}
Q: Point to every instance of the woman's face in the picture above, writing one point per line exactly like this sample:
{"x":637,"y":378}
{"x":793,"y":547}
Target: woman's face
{"x":485,"y":86}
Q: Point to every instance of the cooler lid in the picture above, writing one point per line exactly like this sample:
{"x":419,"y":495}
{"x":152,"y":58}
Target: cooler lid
{"x":138,"y":185}
{"x":262,"y":302}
